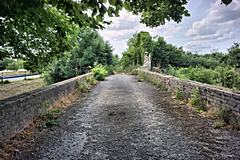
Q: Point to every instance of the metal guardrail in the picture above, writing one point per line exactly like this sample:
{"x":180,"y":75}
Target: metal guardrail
{"x":19,"y":75}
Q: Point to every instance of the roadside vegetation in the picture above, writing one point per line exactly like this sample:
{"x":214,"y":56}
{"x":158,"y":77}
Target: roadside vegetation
{"x":89,"y":51}
{"x":216,"y":68}
{"x":63,"y":34}
{"x":99,"y":72}
{"x":59,"y":38}
{"x":57,"y":108}
{"x":11,"y":64}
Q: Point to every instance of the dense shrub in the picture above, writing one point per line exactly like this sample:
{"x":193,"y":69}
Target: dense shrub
{"x":196,"y":100}
{"x":179,"y":95}
{"x":183,"y":73}
{"x":99,"y":72}
{"x":222,"y":76}
{"x":57,"y":71}
{"x":203,"y":75}
{"x":110,"y":69}
{"x":11,"y":64}
{"x":91,"y":49}
{"x":228,"y":77}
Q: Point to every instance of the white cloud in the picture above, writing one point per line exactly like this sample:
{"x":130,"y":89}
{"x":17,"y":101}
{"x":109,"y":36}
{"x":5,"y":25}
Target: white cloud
{"x":213,"y":26}
{"x":220,"y":24}
{"x":197,"y":47}
{"x":123,"y":27}
{"x":126,"y":21}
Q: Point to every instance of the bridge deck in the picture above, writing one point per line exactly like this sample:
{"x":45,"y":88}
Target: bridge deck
{"x":126,"y":119}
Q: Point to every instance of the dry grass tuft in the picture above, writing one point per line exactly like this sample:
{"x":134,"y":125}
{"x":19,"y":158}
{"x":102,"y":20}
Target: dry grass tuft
{"x":64,"y":102}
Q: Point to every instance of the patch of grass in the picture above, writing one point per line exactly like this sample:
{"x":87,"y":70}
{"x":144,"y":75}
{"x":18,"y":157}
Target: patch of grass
{"x":152,"y":80}
{"x":82,"y":87}
{"x":91,"y":80}
{"x":179,"y":95}
{"x":223,"y":117}
{"x":211,"y":113}
{"x":159,"y":84}
{"x":85,"y":85}
{"x":224,"y":114}
{"x":18,"y":87}
{"x":50,"y":119}
{"x":219,"y":124}
{"x":196,"y":101}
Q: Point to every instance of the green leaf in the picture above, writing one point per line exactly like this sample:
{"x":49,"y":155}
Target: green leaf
{"x":126,"y":5}
{"x":94,"y":12}
{"x":226,"y":2}
{"x":110,"y":11}
{"x":99,"y":18}
{"x":103,"y":10}
{"x":112,"y":2}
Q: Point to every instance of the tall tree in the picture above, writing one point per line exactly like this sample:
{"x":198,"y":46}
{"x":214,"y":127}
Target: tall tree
{"x":39,"y":30}
{"x":90,"y":50}
{"x":38,"y":36}
{"x":234,"y":55}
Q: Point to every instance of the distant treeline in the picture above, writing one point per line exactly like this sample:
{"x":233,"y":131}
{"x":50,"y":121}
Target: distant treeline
{"x":214,"y":68}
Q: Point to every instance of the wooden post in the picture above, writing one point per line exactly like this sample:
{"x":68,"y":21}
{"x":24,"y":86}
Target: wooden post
{"x":25,"y":75}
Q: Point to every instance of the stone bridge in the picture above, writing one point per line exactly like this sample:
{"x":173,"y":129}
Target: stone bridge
{"x":123,"y":118}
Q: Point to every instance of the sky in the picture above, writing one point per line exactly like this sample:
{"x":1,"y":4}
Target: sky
{"x":212,"y":26}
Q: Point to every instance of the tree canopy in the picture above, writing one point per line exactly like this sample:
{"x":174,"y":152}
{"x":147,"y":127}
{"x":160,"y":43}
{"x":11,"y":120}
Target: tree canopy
{"x":164,"y":54}
{"x":40,"y":30}
{"x":91,"y":12}
{"x":153,"y":12}
{"x":221,"y":69}
{"x":90,"y":50}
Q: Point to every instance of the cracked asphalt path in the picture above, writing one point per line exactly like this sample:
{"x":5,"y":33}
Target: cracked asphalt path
{"x":125,"y":119}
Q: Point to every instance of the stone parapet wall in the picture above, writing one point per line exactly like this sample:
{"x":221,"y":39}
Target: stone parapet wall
{"x":19,"y":111}
{"x":211,"y":95}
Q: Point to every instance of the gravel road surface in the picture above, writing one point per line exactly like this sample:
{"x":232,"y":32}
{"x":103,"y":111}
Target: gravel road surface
{"x":123,"y":118}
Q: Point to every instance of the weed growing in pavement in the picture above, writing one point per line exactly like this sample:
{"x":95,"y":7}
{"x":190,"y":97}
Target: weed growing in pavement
{"x":224,"y":114}
{"x":158,"y":83}
{"x":91,"y":80}
{"x":82,"y":87}
{"x":179,"y":95}
{"x":51,"y":118}
{"x":85,"y":85}
{"x":196,"y":101}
